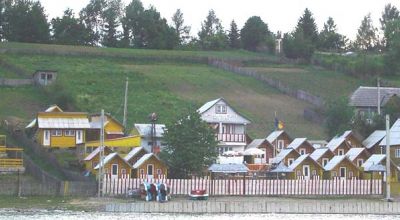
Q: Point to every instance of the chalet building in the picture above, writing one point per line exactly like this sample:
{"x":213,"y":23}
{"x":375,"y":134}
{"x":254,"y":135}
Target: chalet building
{"x":365,"y":99}
{"x":114,"y":166}
{"x":229,"y":124}
{"x":144,"y":131}
{"x":339,"y":146}
{"x":358,"y":155}
{"x":149,"y":166}
{"x":322,"y":156}
{"x":301,"y":145}
{"x":264,"y":145}
{"x":135,"y":154}
{"x":373,"y":140}
{"x":304,"y":167}
{"x":112,"y":127}
{"x":92,"y":160}
{"x":279,"y":140}
{"x":341,"y":167}
{"x":394,"y":142}
{"x":55,"y":128}
{"x":286,"y":156}
{"x":352,"y":139}
{"x":44,"y":77}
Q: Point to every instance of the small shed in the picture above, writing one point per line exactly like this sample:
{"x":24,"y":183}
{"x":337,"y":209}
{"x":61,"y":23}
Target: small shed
{"x":302,"y":146}
{"x":44,"y":77}
{"x":221,"y":170}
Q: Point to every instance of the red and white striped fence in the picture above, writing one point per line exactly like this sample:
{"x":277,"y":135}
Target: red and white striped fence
{"x":113,"y":187}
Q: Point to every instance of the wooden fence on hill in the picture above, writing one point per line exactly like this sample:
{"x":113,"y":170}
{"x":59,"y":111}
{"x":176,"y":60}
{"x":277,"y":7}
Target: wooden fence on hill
{"x":253,"y":187}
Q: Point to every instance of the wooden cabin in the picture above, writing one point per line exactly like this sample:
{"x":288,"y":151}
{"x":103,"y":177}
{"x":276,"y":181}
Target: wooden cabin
{"x":358,"y":155}
{"x":112,"y":127}
{"x":279,"y":140}
{"x":135,"y":154}
{"x":373,"y":140}
{"x":375,"y":168}
{"x":264,"y":145}
{"x":341,"y":167}
{"x":286,"y":156}
{"x":92,"y":160}
{"x":304,"y":167}
{"x":114,"y":166}
{"x":55,"y":128}
{"x":322,"y":155}
{"x":352,"y":139}
{"x":149,"y":166}
{"x":339,"y":146}
{"x":302,"y":146}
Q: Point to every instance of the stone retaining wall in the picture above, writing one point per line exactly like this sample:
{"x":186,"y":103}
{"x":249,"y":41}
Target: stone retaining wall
{"x":303,"y":207}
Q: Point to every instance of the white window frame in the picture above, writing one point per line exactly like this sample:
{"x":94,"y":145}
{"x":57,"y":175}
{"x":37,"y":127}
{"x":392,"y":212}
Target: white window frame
{"x":220,"y":109}
{"x":340,"y":150}
{"x":69,"y":133}
{"x":281,"y":144}
{"x":360,"y":162}
{"x":290,"y":161}
{"x":397,"y":153}
{"x":345,"y":172}
{"x":325,"y":161}
{"x":56,"y":133}
{"x":303,"y":151}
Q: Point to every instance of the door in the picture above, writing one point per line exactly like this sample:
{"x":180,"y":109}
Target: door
{"x":306,"y":172}
{"x":342,"y":173}
{"x":150,"y":171}
{"x":79,"y":137}
{"x":114,"y":171}
{"x":46,"y":138}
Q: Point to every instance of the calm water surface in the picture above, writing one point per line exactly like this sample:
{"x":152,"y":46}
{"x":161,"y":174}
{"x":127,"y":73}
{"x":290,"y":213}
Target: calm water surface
{"x":59,"y":215}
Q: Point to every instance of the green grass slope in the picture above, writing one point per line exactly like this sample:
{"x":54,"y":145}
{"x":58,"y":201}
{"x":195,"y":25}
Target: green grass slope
{"x":167,"y":88}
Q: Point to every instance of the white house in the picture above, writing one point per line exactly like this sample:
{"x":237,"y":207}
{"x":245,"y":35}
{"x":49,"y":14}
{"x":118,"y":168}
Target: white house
{"x":144,"y":130}
{"x":229,"y":125}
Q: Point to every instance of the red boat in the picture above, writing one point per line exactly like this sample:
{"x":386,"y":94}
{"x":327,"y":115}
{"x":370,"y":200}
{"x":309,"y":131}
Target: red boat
{"x":198,"y":194}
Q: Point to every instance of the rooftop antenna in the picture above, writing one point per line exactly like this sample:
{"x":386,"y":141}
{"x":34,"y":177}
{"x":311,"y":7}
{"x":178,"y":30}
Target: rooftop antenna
{"x":125,"y":103}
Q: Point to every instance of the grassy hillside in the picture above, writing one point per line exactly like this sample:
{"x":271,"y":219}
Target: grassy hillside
{"x":165,"y":87}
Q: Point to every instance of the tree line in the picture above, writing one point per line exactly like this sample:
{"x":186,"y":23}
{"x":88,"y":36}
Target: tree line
{"x":109,"y":23}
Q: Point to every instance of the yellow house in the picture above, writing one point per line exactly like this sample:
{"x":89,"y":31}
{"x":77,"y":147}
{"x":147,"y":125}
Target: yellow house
{"x":149,"y":166}
{"x":112,"y":127}
{"x":121,"y":145}
{"x":114,"y":166}
{"x":59,"y":129}
{"x":92,"y":160}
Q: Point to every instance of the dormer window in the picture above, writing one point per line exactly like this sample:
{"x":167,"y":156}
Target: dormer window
{"x":220,"y":109}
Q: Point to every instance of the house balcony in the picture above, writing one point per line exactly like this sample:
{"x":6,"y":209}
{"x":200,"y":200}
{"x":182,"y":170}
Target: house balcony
{"x":236,"y":138}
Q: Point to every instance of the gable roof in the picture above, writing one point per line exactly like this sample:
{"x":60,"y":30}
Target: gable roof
{"x":298,"y":161}
{"x":133,"y":152}
{"x":335,"y":143}
{"x":282,"y":154}
{"x":374,"y":138}
{"x":346,"y":134}
{"x":144,"y":130}
{"x":108,"y":158}
{"x":255,"y":143}
{"x":95,"y":120}
{"x":274,"y":135}
{"x":143,"y":159}
{"x":394,"y":135}
{"x":52,"y":108}
{"x":95,"y":152}
{"x":335,"y":161}
{"x":297,"y":142}
{"x":62,"y":122}
{"x":281,"y":168}
{"x":368,"y":96}
{"x":373,"y":160}
{"x":210,"y":104}
{"x":317,"y":153}
{"x":354,"y":152}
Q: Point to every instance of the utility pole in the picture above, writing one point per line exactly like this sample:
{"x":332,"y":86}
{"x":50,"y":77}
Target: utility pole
{"x":387,"y":158}
{"x":101,"y":155}
{"x":125,"y":103}
{"x":379,"y":97}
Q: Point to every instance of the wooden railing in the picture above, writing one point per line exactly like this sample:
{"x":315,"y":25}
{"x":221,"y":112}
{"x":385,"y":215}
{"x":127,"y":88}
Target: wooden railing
{"x":15,"y":161}
{"x":11,"y":163}
{"x":240,"y":138}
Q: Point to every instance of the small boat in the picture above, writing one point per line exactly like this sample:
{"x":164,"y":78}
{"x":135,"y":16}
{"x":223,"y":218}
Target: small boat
{"x":198,"y":194}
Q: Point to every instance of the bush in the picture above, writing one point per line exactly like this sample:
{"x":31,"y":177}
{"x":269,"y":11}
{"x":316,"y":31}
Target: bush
{"x":60,"y":96}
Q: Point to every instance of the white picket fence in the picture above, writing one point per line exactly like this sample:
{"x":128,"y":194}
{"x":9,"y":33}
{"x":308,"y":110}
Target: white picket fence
{"x":261,"y":187}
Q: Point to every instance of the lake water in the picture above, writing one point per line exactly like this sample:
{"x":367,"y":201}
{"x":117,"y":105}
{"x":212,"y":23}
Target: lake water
{"x":72,"y":215}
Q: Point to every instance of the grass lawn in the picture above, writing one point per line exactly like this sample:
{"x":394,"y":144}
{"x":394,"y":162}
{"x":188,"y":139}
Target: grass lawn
{"x":168,"y":89}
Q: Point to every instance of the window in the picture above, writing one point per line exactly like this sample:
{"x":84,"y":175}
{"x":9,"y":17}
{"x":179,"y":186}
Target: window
{"x":397,"y":153}
{"x":302,"y":151}
{"x":325,"y":161}
{"x":220,"y":109}
{"x":49,"y":76}
{"x":150,"y":169}
{"x":114,"y":169}
{"x":341,"y":152}
{"x":150,"y":143}
{"x":159,"y":172}
{"x":141,"y":172}
{"x":342,"y":172}
{"x":94,"y":164}
{"x":43,"y":76}
{"x":281,"y":143}
{"x":360,"y":162}
{"x":69,"y":133}
{"x":290,"y":161}
{"x":56,"y":133}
